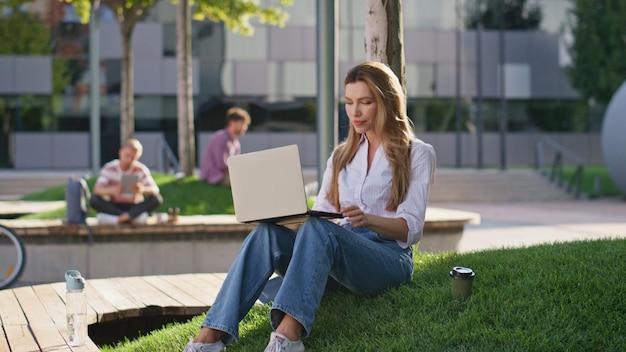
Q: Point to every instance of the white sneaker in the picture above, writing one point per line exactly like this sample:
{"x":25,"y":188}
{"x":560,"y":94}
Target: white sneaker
{"x":280,"y":343}
{"x":204,"y":347}
{"x":107,"y":219}
{"x":141,"y":218}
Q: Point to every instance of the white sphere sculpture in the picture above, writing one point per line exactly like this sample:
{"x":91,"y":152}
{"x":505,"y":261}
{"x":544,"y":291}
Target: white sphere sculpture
{"x":614,"y":138}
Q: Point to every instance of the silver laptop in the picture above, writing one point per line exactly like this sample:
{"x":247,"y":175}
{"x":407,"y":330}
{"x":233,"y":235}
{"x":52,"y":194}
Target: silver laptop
{"x":267,"y":186}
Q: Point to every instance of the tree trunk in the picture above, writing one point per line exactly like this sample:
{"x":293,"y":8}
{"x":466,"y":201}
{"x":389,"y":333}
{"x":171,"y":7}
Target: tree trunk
{"x":384,"y":38}
{"x":395,"y":41}
{"x":186,"y":133}
{"x":127,"y":98}
{"x":376,"y":31}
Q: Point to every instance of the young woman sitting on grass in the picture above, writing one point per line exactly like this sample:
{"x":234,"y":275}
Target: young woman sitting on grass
{"x":379,"y":179}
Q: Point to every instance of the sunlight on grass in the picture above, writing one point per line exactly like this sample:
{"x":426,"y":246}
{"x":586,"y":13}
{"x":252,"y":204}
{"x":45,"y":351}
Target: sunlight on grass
{"x":192,"y":196}
{"x":542,"y":298}
{"x":195,"y":197}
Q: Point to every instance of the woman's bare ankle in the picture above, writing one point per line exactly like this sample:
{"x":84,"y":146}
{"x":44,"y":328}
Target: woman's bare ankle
{"x":209,"y":335}
{"x":290,"y":328}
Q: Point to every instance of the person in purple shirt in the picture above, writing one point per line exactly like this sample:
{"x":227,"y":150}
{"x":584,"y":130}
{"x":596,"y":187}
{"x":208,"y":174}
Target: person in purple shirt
{"x":222,"y":145}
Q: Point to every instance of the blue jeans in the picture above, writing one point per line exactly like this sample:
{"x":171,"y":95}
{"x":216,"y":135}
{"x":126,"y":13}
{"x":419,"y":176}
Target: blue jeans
{"x":357,"y":258}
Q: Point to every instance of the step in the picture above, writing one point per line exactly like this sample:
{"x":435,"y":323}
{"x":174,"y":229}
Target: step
{"x":27,"y":185}
{"x":493,"y":185}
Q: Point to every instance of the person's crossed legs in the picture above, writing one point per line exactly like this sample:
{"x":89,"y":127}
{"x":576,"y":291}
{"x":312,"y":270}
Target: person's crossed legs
{"x":125,"y":212}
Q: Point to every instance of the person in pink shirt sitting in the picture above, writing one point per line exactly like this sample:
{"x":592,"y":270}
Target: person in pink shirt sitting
{"x":118,"y":200}
{"x":224,"y":144}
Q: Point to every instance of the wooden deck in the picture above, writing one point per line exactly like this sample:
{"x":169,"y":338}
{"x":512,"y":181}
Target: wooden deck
{"x":33,"y":317}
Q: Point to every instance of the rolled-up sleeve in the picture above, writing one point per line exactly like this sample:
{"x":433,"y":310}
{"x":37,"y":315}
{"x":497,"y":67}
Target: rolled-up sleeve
{"x":413,"y":208}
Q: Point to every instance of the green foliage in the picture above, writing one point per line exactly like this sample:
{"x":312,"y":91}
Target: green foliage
{"x":599,"y":47}
{"x":236,"y":14}
{"x":127,"y":12}
{"x":440,"y":114}
{"x":559,"y":115}
{"x":517,"y":15}
{"x":23,"y":34}
{"x":556,"y":297}
{"x":61,"y":74}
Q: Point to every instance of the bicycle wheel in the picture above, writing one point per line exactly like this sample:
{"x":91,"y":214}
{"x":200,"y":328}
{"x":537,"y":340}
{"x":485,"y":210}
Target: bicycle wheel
{"x":12,"y":257}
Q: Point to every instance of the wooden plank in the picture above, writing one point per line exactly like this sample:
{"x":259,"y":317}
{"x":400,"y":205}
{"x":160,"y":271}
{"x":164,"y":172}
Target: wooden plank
{"x":58,"y":307}
{"x":154,"y":301}
{"x":192,"y":305}
{"x":56,"y":310}
{"x":204,"y":286}
{"x":16,"y":331}
{"x":41,"y":324}
{"x":87,"y":347}
{"x":54,"y":305}
{"x":4,"y":342}
{"x":10,"y":310}
{"x":117,"y":297}
{"x":126,"y":307}
{"x":175,"y":308}
{"x":97,"y":307}
{"x":14,"y":323}
{"x":199,"y":290}
{"x":211,"y":279}
{"x":221,"y":276}
{"x":20,"y":338}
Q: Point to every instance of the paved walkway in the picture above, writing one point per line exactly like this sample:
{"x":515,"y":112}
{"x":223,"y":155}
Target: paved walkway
{"x":517,"y":224}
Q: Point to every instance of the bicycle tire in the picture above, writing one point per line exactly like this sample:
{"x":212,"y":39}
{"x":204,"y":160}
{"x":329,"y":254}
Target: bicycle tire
{"x":13,"y":248}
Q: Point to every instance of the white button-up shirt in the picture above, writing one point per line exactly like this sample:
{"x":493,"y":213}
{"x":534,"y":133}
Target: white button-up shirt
{"x":370,"y":191}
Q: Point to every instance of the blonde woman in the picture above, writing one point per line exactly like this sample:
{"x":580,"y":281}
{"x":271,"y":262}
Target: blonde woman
{"x":379,"y":179}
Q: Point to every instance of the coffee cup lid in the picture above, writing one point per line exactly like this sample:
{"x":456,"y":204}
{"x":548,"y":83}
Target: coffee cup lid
{"x":460,"y":272}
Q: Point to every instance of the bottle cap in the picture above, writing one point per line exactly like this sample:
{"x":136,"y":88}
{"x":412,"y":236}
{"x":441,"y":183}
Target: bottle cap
{"x":73,"y":280}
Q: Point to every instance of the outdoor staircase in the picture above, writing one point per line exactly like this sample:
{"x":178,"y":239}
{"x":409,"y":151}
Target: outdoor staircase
{"x":472,"y":185}
{"x":451,"y":185}
{"x":13,"y":185}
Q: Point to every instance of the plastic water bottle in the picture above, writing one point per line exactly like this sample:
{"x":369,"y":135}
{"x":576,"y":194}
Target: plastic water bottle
{"x":76,"y":308}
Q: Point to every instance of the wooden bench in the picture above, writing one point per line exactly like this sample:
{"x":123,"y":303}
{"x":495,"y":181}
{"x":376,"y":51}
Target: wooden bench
{"x":437,"y":220}
{"x":33,"y":317}
{"x":151,"y":249}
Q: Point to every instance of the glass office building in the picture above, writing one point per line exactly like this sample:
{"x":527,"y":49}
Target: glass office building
{"x":44,"y":86}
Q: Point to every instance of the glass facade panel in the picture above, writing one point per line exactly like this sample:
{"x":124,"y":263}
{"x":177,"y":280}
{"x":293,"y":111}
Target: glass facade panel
{"x":224,"y":64}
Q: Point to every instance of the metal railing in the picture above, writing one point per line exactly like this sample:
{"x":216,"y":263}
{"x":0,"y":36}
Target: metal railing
{"x":555,"y":174}
{"x":166,"y":161}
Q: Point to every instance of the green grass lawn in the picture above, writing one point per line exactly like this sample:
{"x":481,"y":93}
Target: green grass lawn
{"x":191,"y":195}
{"x":195,"y":197}
{"x":607,"y":187}
{"x":559,"y":297}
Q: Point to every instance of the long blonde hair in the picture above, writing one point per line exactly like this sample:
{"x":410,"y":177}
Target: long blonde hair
{"x":392,"y":126}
